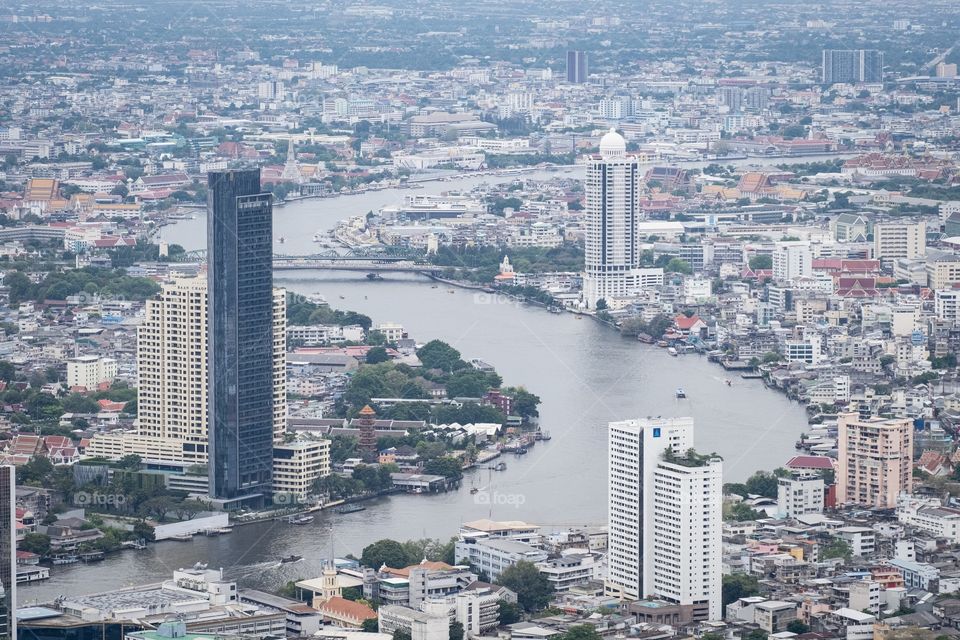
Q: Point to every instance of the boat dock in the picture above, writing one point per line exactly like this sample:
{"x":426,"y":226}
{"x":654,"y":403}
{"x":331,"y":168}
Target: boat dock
{"x":736,"y":365}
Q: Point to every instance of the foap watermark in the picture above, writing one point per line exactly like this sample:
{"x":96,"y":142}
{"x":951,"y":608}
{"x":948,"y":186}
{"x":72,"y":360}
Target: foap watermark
{"x":288,"y":500}
{"x":493,"y":299}
{"x":85,"y":499}
{"x":497,"y":498}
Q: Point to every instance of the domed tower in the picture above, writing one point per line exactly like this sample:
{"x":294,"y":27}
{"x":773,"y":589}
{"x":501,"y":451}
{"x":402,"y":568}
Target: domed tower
{"x":612,"y":145}
{"x":612,"y":248}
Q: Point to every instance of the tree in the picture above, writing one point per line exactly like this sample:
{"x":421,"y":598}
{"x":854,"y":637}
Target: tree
{"x":601,"y":304}
{"x":401,"y":634}
{"x":764,"y":261}
{"x":738,"y":585}
{"x":524,"y":403}
{"x":37,"y":543}
{"x":762,"y":483}
{"x":144,"y":531}
{"x":771,"y":357}
{"x":742,"y":512}
{"x":837,"y":548}
{"x":532,"y":588}
{"x":385,"y":552}
{"x":510,"y":612}
{"x":582,"y":632}
{"x":439,"y":355}
{"x":456,"y":631}
{"x":377,"y":355}
{"x":798,"y":627}
{"x":158,"y":507}
{"x":678,"y":265}
{"x":445,"y":466}
{"x":370,"y":625}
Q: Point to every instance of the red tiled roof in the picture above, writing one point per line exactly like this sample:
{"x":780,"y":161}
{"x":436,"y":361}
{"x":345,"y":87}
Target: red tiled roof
{"x":685,"y":323}
{"x":810,"y":462}
{"x":343,"y":608}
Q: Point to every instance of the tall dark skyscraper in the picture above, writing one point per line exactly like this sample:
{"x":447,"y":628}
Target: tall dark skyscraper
{"x":240,"y":338}
{"x":577,"y":67}
{"x":852,"y":66}
{"x":8,"y":553}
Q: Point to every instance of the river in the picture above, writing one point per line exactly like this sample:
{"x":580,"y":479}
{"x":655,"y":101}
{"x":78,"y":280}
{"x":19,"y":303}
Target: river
{"x":585,"y":374}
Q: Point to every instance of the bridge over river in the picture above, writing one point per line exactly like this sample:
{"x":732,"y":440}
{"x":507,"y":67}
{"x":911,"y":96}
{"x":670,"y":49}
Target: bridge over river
{"x":368,"y":260}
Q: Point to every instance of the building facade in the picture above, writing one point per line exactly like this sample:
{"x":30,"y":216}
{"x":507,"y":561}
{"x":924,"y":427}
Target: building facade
{"x":295,"y":467}
{"x":90,"y":371}
{"x":612,"y":251}
{"x":852,"y":66}
{"x":792,"y":260}
{"x":799,"y":494}
{"x":247,"y":390}
{"x":172,"y":367}
{"x":577,"y":70}
{"x":665,"y":516}
{"x":8,"y":553}
{"x":893,"y":240}
{"x":875,"y":460}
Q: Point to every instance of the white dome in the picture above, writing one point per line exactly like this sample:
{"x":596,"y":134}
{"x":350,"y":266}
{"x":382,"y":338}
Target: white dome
{"x":612,"y":144}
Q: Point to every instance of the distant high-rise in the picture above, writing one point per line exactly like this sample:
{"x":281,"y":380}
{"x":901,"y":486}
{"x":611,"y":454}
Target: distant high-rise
{"x":8,"y":553}
{"x":852,"y":66}
{"x":577,"y":71}
{"x":665,"y":517}
{"x":874,"y":460}
{"x":246,"y":392}
{"x":612,"y":256}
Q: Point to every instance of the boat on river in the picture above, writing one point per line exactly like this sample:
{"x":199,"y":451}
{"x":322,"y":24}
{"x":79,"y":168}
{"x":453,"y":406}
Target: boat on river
{"x":681,"y":393}
{"x":350,"y":508}
{"x":301,"y":519}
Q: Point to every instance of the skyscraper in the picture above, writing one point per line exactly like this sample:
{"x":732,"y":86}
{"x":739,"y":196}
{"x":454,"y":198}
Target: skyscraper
{"x":612,"y":256}
{"x":577,"y":67}
{"x":665,"y":517}
{"x":852,"y":65}
{"x":172,"y":367}
{"x":246,"y":393}
{"x":8,"y":553}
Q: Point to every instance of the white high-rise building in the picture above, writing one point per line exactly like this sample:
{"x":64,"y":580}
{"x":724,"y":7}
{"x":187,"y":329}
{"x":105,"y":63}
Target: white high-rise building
{"x":893,"y":240}
{"x":665,"y":510}
{"x":172,"y":366}
{"x":792,"y":260}
{"x":612,"y":252}
{"x":172,"y":378}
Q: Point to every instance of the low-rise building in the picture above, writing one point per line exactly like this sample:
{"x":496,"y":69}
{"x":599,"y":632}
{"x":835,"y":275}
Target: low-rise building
{"x":89,"y":372}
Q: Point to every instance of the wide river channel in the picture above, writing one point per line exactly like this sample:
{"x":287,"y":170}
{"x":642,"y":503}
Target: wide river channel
{"x":585,"y":374}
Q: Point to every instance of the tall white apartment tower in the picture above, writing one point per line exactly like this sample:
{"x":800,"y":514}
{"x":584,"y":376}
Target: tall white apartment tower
{"x":172,"y":367}
{"x":665,"y":510}
{"x":172,"y":370}
{"x":612,"y":252}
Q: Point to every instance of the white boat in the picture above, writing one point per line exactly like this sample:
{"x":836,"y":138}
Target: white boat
{"x":681,"y":393}
{"x":672,"y":351}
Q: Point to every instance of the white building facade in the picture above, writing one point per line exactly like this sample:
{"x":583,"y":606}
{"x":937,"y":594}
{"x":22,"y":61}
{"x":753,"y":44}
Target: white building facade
{"x":612,"y":248}
{"x":665,"y":516}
